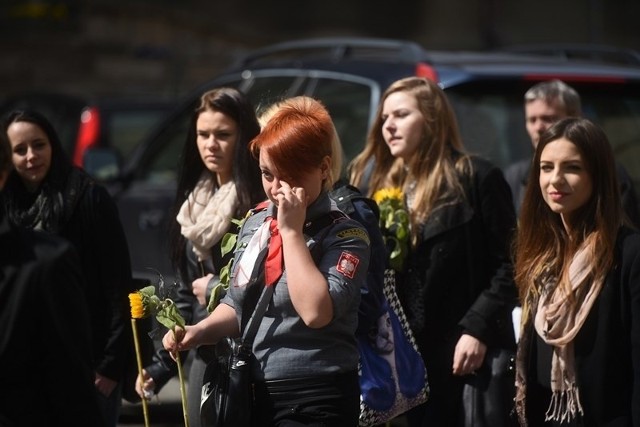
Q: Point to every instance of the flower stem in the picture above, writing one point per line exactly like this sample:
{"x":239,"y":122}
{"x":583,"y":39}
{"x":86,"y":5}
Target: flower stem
{"x":136,"y":343}
{"x":183,"y":392}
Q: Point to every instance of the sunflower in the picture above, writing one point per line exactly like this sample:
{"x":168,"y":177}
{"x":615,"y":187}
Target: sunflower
{"x":394,"y":224}
{"x":394,"y":193}
{"x":137,"y":305}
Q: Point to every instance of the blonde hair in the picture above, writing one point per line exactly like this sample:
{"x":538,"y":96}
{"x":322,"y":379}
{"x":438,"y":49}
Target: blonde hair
{"x":437,"y":164}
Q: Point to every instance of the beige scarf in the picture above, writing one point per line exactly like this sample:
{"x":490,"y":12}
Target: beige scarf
{"x":205,"y":216}
{"x":558,"y":324}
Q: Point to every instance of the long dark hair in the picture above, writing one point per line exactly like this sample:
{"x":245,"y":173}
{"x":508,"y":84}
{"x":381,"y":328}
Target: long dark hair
{"x":17,"y":198}
{"x":246,"y":172}
{"x":543,"y":245}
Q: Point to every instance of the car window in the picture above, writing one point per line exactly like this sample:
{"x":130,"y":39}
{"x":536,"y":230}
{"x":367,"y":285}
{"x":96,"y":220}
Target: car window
{"x":349,"y":104}
{"x":127,"y":128}
{"x":491,"y":120}
{"x":490,"y":115}
{"x":160,"y":161}
{"x":264,"y":89}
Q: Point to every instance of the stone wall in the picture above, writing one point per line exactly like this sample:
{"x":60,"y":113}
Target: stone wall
{"x":164,"y":48}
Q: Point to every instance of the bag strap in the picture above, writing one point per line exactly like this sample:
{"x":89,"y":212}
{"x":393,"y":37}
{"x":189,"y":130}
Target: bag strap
{"x":320,"y":227}
{"x":261,"y":307}
{"x":345,"y":195}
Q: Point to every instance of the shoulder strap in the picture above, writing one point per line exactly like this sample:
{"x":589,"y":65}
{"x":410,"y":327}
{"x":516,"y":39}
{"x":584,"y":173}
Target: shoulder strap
{"x":261,"y":307}
{"x":346,"y":194}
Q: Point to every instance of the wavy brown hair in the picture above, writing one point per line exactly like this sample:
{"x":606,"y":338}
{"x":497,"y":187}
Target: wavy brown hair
{"x":437,"y":165}
{"x":543,"y":245}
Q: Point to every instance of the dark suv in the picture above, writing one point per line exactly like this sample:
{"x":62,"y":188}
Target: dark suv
{"x":349,"y":75}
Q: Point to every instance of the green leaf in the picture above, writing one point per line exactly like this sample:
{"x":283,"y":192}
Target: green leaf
{"x":228,"y":243}
{"x":169,"y":316}
{"x":216,"y":295}
{"x":148,"y":290}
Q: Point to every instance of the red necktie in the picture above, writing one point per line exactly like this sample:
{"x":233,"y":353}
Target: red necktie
{"x":273,"y":264}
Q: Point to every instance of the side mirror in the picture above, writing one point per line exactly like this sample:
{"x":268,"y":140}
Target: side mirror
{"x":103,"y":164}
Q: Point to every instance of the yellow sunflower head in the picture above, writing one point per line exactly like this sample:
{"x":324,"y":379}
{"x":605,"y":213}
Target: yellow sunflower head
{"x":144,"y":302}
{"x":391,"y":194}
{"x":138,"y":306}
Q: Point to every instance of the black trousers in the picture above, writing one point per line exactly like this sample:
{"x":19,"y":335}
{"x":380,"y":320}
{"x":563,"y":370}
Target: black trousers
{"x":321,"y":401}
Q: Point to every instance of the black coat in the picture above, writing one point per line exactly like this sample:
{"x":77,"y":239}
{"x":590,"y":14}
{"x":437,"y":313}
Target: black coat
{"x":607,"y":349}
{"x":46,"y":372}
{"x":89,"y":220}
{"x":95,"y":229}
{"x":460,"y":277}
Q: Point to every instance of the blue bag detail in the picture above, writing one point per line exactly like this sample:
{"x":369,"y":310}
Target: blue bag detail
{"x":393,"y":377}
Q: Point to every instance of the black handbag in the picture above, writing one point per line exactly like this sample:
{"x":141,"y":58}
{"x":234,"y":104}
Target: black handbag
{"x":488,"y":395}
{"x":226,"y":399}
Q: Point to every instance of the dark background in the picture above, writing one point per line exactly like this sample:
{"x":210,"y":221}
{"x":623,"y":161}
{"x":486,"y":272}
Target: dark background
{"x":164,"y":48}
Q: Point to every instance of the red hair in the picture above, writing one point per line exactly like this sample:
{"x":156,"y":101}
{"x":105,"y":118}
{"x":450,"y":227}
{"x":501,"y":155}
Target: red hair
{"x":297,"y":137}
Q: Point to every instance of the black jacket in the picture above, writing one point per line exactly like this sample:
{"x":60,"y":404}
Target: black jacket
{"x":460,"y":276}
{"x":88,"y":218}
{"x":94,"y":228}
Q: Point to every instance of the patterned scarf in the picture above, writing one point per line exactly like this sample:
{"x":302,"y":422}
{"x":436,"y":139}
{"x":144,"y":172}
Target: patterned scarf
{"x":205,"y":216}
{"x":557,"y":321}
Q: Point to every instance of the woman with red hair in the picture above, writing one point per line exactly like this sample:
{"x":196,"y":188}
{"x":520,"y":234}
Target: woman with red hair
{"x":316,"y":259}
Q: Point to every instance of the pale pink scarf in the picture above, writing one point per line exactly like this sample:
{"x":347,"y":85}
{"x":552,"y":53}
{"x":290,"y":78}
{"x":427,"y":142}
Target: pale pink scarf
{"x":206,"y":214}
{"x":558,"y":323}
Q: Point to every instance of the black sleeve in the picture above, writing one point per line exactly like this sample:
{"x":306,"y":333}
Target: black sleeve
{"x":113,"y":271}
{"x":489,"y":315}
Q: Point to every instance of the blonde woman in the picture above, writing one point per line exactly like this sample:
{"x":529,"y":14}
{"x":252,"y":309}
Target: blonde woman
{"x":457,"y":289}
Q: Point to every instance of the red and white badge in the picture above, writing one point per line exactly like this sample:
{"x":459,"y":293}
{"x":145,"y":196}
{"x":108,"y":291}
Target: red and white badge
{"x":348,"y":264}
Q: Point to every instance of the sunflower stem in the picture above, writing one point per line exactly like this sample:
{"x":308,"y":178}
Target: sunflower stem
{"x":183,"y":391}
{"x":136,"y":342}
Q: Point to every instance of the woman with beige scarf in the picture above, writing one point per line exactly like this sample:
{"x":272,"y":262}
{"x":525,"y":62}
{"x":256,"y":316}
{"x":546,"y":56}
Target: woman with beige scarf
{"x":577,"y":267}
{"x":219,"y":181}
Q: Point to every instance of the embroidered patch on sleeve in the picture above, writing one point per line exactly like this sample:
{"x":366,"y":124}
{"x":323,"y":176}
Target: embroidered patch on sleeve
{"x":354,"y":232}
{"x":348,"y":264}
